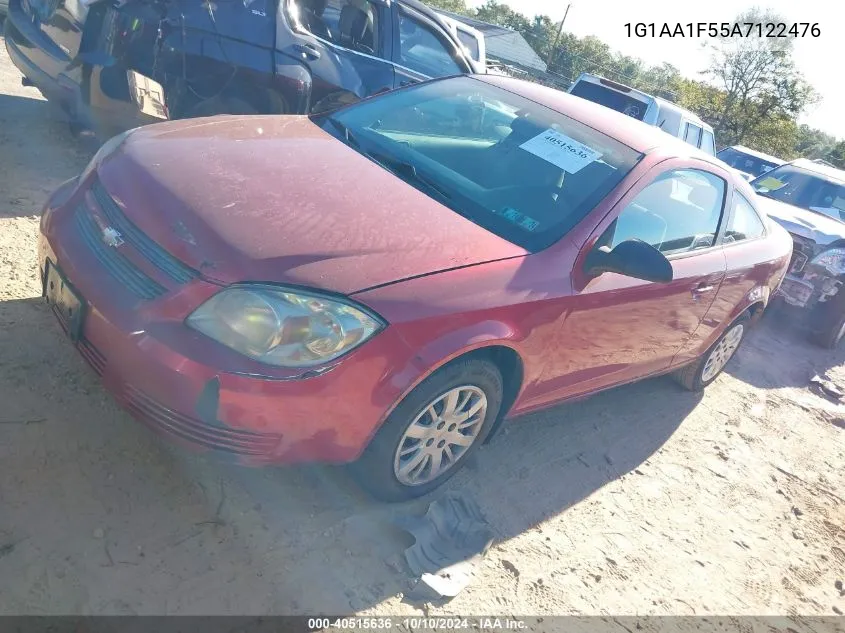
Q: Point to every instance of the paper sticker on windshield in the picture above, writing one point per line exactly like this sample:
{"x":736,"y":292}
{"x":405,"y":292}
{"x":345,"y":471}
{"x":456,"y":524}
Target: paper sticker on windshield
{"x":771,"y":183}
{"x":558,"y":149}
{"x":529,"y":224}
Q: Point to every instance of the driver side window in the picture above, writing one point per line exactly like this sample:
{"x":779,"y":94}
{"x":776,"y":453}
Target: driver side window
{"x":679,"y":212}
{"x":352,"y":24}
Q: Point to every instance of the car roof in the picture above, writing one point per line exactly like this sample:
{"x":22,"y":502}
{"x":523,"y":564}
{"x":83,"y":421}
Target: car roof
{"x":422,"y":8}
{"x":466,"y":28}
{"x":668,"y":105}
{"x":756,"y":154}
{"x":823,"y":170}
{"x":637,"y":135}
{"x":591,"y":78}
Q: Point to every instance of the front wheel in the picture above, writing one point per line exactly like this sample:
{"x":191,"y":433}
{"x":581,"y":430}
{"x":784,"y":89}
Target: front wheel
{"x":696,"y":376}
{"x":432,"y":432}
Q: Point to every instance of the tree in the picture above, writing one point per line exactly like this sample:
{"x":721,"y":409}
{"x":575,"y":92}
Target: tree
{"x":541,"y":35}
{"x":758,"y":77}
{"x":579,"y":55}
{"x":494,"y":12}
{"x":837,"y":155}
{"x":453,"y":6}
{"x":812,"y":143}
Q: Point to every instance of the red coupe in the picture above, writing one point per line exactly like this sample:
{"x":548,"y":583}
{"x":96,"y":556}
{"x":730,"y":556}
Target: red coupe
{"x":384,"y":284}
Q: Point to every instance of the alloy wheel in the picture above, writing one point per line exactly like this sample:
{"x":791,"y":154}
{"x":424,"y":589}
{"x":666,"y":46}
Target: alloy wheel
{"x":440,"y":435}
{"x":723,"y":352}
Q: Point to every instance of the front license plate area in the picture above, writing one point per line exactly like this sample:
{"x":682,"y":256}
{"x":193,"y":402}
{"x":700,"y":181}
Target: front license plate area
{"x":66,"y":303}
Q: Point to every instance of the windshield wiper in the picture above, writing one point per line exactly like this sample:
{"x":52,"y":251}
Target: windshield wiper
{"x":401,"y":168}
{"x":347,"y":135}
{"x":408,"y":172}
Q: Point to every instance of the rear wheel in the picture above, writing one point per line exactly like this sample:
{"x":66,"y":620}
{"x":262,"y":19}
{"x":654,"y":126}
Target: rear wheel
{"x":706,"y":369}
{"x":831,"y":334}
{"x":432,"y":432}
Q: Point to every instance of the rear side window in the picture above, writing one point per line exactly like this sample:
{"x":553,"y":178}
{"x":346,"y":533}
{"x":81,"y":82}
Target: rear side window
{"x":744,"y":224}
{"x":708,"y":144}
{"x":610,"y":98}
{"x":691,"y":134}
{"x":679,"y":212}
{"x":470,"y":43}
{"x":423,"y":50}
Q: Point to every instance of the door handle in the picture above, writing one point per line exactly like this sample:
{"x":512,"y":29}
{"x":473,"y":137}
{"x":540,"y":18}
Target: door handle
{"x":701,"y":289}
{"x":307,"y":50}
{"x":407,"y":82}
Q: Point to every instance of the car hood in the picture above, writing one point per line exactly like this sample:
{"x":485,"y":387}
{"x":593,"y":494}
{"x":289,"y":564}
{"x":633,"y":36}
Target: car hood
{"x":277,"y":199}
{"x":815,"y":226}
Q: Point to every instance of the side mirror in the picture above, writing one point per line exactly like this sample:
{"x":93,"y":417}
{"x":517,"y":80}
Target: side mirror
{"x":632,"y":258}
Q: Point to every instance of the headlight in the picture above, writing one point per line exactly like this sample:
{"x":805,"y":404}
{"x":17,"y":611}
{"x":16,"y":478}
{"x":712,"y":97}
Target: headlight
{"x":284,"y":328}
{"x":107,"y":148}
{"x":832,"y":260}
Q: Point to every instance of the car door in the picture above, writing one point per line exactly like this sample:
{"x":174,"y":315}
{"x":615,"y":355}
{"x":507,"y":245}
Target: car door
{"x":422,"y":49}
{"x":345,"y":44}
{"x":747,"y":273}
{"x":60,"y":25}
{"x":620,"y":329}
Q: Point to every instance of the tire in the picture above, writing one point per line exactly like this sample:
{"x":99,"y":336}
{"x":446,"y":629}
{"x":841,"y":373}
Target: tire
{"x":831,"y":333}
{"x":692,"y":377}
{"x":378,"y":469}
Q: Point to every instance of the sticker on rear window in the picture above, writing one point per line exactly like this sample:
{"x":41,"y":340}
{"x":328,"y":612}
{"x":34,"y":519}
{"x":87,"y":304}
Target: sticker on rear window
{"x":529,"y":224}
{"x":561,"y":150}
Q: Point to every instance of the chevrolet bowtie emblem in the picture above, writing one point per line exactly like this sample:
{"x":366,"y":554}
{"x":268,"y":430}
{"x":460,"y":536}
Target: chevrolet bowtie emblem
{"x":112,"y":237}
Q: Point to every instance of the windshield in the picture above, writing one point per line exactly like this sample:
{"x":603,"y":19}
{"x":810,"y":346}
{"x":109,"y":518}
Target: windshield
{"x":516,"y":168}
{"x":745,"y":162}
{"x":610,"y":98}
{"x":804,"y":189}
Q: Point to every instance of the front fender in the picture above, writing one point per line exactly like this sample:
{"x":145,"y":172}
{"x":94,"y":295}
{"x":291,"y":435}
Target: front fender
{"x":441,"y":350}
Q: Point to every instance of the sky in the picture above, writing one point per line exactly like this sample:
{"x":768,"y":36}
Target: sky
{"x":817,"y":58}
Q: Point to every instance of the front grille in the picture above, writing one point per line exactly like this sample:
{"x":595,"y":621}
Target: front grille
{"x":123,"y":270}
{"x":132,"y":235}
{"x":228,"y":440}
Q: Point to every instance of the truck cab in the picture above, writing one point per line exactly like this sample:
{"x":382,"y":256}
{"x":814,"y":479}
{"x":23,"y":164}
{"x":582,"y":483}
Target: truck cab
{"x":669,"y":117}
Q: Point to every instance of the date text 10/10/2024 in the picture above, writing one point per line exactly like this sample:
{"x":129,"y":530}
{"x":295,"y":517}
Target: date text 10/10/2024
{"x":415,"y":623}
{"x":722,"y":29}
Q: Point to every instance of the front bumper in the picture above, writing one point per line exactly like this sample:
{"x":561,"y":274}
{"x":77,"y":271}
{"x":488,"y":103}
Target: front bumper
{"x":198,"y":392}
{"x":796,"y":292}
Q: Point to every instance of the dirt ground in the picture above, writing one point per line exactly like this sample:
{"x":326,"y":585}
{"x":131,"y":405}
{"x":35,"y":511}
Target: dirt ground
{"x":644,"y":500}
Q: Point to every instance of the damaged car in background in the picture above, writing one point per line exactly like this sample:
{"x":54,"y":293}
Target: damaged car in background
{"x":115,"y":65}
{"x":808,"y":199}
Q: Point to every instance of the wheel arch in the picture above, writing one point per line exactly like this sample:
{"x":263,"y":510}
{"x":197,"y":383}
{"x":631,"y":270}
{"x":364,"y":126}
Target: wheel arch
{"x":504,"y":356}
